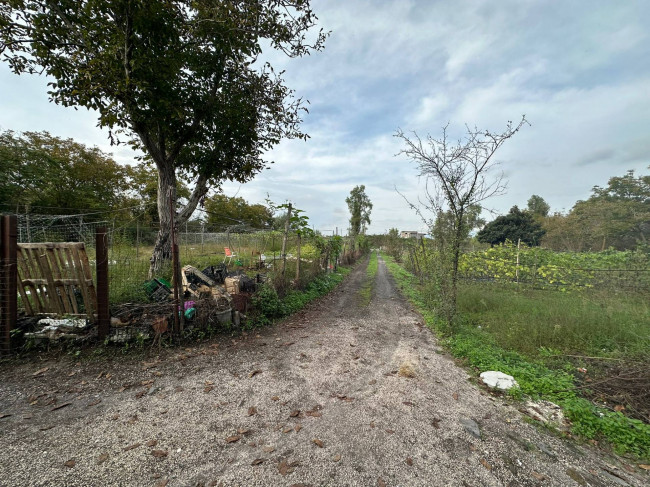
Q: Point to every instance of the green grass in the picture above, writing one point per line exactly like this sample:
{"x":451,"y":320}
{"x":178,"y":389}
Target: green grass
{"x":538,"y":321}
{"x":369,"y":283}
{"x":500,"y":329}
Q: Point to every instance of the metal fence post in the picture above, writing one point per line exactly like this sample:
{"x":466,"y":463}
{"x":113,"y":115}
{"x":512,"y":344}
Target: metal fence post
{"x":101,"y":263}
{"x":8,"y":283}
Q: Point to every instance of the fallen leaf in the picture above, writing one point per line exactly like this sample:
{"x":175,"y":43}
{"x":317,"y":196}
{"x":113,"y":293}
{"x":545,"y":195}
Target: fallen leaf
{"x":408,"y":403}
{"x":268,"y":449}
{"x":209,"y":383}
{"x":232,"y":439}
{"x":243,"y":431}
{"x":258,"y":461}
{"x":314,"y":414}
{"x":275,"y":398}
{"x":295,"y":414}
{"x":131,"y":447}
{"x":141,"y":393}
{"x":252,"y":411}
{"x":162,"y":483}
{"x":538,"y":476}
{"x":115,"y":417}
{"x":380,"y":482}
{"x":644,"y":467}
{"x":40,"y":371}
{"x":146,"y":383}
{"x":94,"y":403}
{"x":390,"y":432}
{"x":485,"y":464}
{"x":455,"y":396}
{"x":409,"y":461}
{"x":160,"y":453}
{"x":283,"y":468}
{"x":208,"y":389}
{"x":61,"y":406}
{"x":178,"y":389}
{"x":45,"y":428}
{"x":336,"y":458}
{"x":102,"y":458}
{"x":70,"y":463}
{"x":298,"y":427}
{"x":151,"y":443}
{"x":4,"y":415}
{"x":618,"y":408}
{"x":254,"y":373}
{"x":287,"y":429}
{"x":372,"y":382}
{"x":318,"y":443}
{"x":436,"y":423}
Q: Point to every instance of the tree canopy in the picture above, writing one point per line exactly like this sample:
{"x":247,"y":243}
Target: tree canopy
{"x":181,"y":80}
{"x":360,"y":207}
{"x":41,"y":173}
{"x":224,"y":211}
{"x":617,"y":215}
{"x":538,"y":206}
{"x":516,"y":225}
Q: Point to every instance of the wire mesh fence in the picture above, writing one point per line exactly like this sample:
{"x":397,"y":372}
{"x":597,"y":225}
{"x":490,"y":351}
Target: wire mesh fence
{"x":220,"y":271}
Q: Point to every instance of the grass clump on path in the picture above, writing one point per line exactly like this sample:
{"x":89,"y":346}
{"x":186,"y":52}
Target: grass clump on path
{"x":477,"y":342}
{"x":369,"y":283}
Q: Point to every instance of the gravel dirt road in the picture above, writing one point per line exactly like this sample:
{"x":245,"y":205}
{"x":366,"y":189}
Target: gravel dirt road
{"x":315,"y":400}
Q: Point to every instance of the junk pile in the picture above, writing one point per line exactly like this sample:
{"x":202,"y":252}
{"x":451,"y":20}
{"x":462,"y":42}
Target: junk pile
{"x":211,"y":297}
{"x":66,"y":329}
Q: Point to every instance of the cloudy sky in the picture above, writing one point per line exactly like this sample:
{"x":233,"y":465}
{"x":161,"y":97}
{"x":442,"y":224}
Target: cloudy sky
{"x":579,"y":71}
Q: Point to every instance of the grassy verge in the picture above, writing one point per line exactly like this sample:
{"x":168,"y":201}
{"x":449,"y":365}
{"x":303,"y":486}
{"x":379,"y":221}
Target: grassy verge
{"x":269,"y":306}
{"x":369,"y":283}
{"x":491,"y":338}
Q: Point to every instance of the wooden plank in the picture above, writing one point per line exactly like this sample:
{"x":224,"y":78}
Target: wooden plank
{"x":89,"y":304}
{"x":55,"y":301}
{"x":35,"y":270}
{"x":88,"y":274}
{"x":52,"y":245}
{"x":21,"y":288}
{"x":59,"y":287}
{"x":72,"y":274}
{"x":69,"y":287}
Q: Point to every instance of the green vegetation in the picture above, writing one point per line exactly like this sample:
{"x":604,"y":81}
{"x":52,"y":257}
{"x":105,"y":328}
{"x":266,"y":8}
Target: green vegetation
{"x":525,"y":334}
{"x":269,"y":306}
{"x":369,"y":283}
{"x":566,"y":271}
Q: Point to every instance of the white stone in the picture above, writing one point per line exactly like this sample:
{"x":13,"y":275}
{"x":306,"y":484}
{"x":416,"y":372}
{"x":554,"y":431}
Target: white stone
{"x":499,"y":380}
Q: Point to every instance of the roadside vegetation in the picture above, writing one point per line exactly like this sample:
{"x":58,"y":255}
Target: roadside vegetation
{"x":546,"y":340}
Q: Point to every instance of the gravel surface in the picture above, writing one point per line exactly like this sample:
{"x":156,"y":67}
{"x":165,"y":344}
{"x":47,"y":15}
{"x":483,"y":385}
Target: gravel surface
{"x":339,"y":394}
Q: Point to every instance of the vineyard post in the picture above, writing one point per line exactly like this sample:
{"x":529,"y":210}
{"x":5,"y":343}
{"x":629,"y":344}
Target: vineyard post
{"x":517,"y":266}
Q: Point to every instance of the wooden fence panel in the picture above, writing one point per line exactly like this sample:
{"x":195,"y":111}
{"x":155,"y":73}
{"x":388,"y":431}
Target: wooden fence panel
{"x":53,"y":276}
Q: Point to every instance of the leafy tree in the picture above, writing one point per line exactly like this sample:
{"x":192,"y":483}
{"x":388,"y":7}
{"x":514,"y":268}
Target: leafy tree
{"x":537,"y":206}
{"x":517,"y":224}
{"x":444,"y":228}
{"x":360,"y":207}
{"x":224,"y":211}
{"x":179,"y":79}
{"x":615,"y":216}
{"x":46,"y":174}
{"x":457,"y":178}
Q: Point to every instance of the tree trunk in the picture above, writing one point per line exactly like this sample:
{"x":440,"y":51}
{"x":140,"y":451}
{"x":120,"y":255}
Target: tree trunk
{"x":284,"y":239}
{"x":298,"y":261}
{"x":162,"y":251}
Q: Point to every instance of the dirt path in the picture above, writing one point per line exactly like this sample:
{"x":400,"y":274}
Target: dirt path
{"x":316,"y":400}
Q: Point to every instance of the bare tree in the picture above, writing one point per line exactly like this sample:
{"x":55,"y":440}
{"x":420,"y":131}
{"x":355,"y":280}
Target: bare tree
{"x":457,"y":176}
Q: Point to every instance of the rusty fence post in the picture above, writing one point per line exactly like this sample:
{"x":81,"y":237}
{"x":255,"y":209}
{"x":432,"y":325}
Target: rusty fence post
{"x":101,"y":263}
{"x":8,"y":280}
